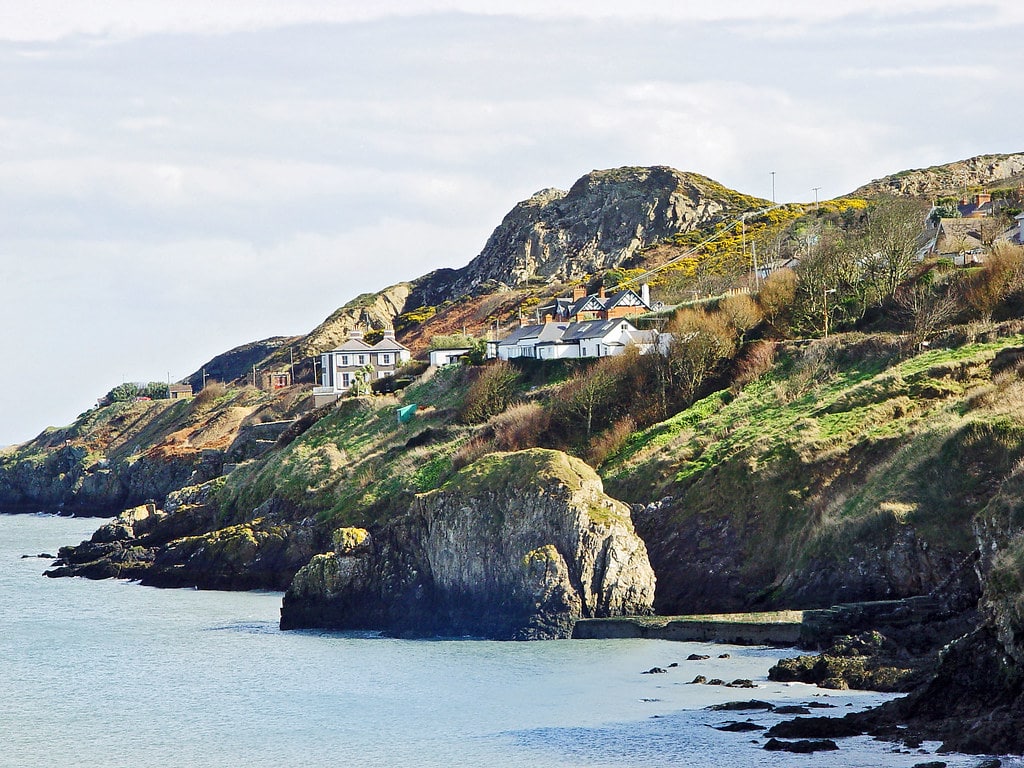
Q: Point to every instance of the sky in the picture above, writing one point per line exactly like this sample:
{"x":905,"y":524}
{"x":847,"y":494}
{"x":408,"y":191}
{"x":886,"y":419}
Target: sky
{"x":177,"y":179}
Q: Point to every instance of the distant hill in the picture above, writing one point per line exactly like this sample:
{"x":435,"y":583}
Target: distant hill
{"x":608,"y":219}
{"x":982,"y":171}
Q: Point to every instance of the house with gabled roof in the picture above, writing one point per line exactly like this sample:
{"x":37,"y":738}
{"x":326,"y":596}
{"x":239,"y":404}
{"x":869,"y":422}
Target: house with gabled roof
{"x":355,"y":360}
{"x":581,"y":307}
{"x":562,"y":341}
{"x":962,"y":240}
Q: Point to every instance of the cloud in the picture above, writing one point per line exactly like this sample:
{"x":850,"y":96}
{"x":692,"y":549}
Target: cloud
{"x":122,"y":19}
{"x":938,"y":72}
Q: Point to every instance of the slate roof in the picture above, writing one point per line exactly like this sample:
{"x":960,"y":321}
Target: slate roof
{"x":353,"y":345}
{"x":959,"y":235}
{"x":388,"y":345}
{"x":591,"y":329}
{"x":543,"y":332}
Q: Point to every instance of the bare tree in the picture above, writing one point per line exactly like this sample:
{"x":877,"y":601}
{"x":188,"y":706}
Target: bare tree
{"x":890,"y":243}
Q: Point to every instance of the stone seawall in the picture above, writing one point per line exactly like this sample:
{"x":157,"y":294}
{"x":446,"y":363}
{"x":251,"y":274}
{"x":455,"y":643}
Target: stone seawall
{"x":807,"y":629}
{"x":776,"y":628}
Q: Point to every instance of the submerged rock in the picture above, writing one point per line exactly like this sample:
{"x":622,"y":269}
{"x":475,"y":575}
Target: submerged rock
{"x":802,"y":747}
{"x":515,"y":546}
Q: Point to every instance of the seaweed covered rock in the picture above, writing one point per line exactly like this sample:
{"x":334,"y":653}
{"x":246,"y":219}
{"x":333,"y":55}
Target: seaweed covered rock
{"x":515,"y":546}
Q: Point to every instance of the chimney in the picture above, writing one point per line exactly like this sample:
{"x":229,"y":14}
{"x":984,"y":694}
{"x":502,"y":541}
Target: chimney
{"x":645,"y":294}
{"x":982,"y":198}
{"x":389,"y":333}
{"x":600,"y":292}
{"x":355,"y":334}
{"x":579,"y":292}
{"x":547,"y":318}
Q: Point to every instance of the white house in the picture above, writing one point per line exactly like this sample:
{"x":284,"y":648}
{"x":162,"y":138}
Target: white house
{"x":442,"y":357}
{"x":560,"y":341}
{"x":341,"y":366}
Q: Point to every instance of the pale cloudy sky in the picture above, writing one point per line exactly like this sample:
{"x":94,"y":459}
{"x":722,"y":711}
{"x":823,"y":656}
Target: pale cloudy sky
{"x":178,"y":179}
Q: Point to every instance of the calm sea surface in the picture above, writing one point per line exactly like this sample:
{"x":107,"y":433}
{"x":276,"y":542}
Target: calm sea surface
{"x":113,"y":674}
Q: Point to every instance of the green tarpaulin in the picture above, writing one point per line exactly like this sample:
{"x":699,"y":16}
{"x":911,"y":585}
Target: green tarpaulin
{"x":405,"y":414}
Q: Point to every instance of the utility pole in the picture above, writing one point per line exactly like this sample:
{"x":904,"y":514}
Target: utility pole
{"x":204,"y":378}
{"x":773,"y":186}
{"x":825,"y":295}
{"x":291,"y":362}
{"x":816,"y":197}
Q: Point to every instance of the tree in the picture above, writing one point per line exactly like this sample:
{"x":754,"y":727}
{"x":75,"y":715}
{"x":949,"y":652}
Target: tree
{"x":776,"y":299}
{"x":830,"y":291}
{"x":926,"y":308}
{"x":742,"y":313}
{"x":700,"y":342}
{"x":587,"y":393}
{"x":1001,"y":276}
{"x":362,"y":380}
{"x":889,"y":244}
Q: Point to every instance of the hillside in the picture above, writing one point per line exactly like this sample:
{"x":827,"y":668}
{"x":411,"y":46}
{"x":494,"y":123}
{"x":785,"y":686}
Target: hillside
{"x":608,"y":219}
{"x":981,"y":172}
{"x":848,"y":428}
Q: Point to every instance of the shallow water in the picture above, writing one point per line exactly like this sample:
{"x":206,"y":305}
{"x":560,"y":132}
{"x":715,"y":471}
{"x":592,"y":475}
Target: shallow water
{"x":114,"y":674}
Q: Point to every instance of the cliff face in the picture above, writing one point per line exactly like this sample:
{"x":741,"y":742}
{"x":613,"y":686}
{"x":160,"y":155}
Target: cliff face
{"x":601,"y":222}
{"x":126,"y":453}
{"x":515,"y":546}
{"x":951,"y":178}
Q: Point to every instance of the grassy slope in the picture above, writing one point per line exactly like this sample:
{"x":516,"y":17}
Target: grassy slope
{"x":353,"y":467}
{"x":842,"y":443}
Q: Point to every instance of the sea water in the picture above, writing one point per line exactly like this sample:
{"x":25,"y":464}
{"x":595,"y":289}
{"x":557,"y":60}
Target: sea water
{"x":113,"y":674}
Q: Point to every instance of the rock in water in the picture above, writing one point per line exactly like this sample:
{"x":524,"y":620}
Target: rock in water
{"x":515,"y":546}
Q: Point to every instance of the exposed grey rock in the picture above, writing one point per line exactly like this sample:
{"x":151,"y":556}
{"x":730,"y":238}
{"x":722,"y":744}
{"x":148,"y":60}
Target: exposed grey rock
{"x":514,"y":546}
{"x":951,"y":178}
{"x":601,"y":222}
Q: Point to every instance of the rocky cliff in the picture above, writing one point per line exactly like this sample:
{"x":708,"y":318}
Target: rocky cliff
{"x":187,"y":542}
{"x":604,"y":219}
{"x":126,"y":453}
{"x":949,"y":179}
{"x":514,"y":546}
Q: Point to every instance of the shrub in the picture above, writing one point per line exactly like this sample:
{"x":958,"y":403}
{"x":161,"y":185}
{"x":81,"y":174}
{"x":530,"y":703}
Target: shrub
{"x":776,"y":298}
{"x":519,"y":427}
{"x":755,"y":361}
{"x":742,"y":313}
{"x":470,"y":451}
{"x":1002,"y":276}
{"x":490,"y":393}
{"x":610,"y":441}
{"x":212,"y":391}
{"x":701,"y":342}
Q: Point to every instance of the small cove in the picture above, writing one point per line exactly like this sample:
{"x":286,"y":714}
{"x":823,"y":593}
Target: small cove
{"x":111,"y":673}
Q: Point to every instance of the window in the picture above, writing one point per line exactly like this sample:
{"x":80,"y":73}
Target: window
{"x":385,"y":359}
{"x":360,"y":359}
{"x":344,"y":359}
{"x":345,"y":381}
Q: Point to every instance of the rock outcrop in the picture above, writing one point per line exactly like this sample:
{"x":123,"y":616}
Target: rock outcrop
{"x":950,"y":178}
{"x":186,"y":544}
{"x":601,"y":222}
{"x":515,"y":546}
